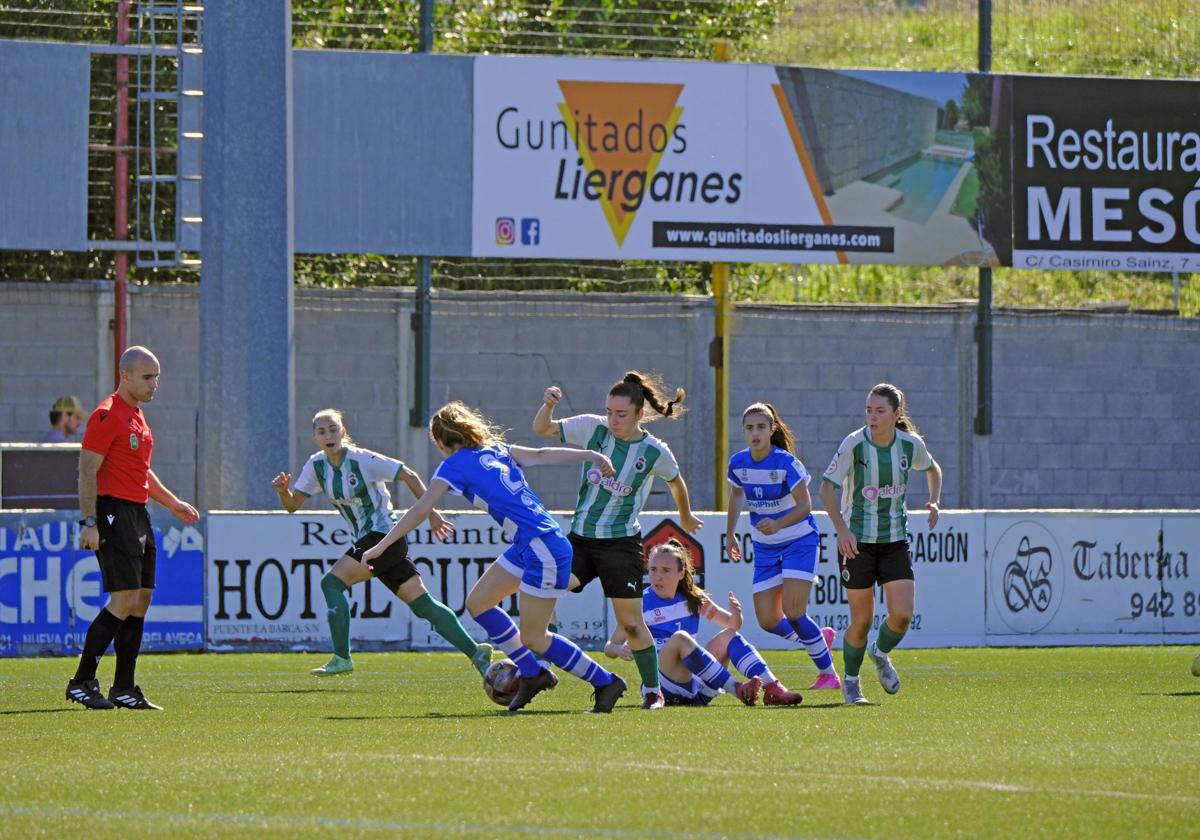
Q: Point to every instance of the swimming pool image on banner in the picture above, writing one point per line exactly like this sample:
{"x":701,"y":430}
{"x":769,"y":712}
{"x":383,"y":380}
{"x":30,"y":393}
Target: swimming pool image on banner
{"x":902,"y":150}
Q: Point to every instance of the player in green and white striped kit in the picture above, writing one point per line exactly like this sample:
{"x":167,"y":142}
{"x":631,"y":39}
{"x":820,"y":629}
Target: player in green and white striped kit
{"x":605,"y":535}
{"x":355,"y":480}
{"x":871,"y":469}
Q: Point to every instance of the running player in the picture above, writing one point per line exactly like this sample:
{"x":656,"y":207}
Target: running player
{"x":773,"y":483}
{"x":871,"y":469}
{"x":355,"y":480}
{"x":487,"y":472}
{"x":693,"y":674}
{"x":605,"y":534}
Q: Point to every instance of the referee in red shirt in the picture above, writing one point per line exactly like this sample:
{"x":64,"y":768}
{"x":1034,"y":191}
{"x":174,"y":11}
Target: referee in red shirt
{"x":115,"y":480}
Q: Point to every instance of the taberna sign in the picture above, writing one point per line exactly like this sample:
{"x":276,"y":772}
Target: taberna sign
{"x":1106,"y":174}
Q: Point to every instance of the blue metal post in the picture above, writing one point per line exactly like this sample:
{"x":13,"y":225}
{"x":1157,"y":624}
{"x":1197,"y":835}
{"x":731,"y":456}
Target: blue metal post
{"x":247,"y":395}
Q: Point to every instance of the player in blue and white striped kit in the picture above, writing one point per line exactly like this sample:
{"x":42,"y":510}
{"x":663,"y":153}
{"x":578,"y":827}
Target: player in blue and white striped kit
{"x":487,"y":472}
{"x":693,"y":674}
{"x":773,"y":484}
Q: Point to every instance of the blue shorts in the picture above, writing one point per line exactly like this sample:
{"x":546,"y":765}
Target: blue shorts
{"x":683,"y":694}
{"x":543,"y":565}
{"x":796,"y":559}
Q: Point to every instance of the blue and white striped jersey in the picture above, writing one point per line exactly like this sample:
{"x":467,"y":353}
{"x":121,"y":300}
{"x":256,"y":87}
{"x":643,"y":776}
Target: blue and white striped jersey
{"x":666,"y":615}
{"x":768,"y":486}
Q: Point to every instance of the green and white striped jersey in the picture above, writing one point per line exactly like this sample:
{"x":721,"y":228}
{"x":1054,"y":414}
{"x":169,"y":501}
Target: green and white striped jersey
{"x":357,"y":487}
{"x":609,"y":507}
{"x":874,"y":481}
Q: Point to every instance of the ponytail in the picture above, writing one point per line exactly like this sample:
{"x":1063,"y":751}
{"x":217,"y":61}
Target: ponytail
{"x":642,"y":388}
{"x":897,"y":401}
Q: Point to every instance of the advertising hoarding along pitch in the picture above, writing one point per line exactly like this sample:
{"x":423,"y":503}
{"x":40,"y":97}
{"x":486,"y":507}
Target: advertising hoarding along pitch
{"x":616,"y":159}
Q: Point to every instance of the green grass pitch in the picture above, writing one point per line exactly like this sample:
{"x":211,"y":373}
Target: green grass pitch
{"x":1084,"y":742}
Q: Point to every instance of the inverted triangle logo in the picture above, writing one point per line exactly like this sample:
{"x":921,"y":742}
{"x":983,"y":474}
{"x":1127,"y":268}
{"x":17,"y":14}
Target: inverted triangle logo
{"x":620,"y":129}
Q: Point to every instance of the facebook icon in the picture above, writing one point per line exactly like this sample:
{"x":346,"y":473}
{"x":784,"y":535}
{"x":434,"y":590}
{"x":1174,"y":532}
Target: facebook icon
{"x":531,"y":232}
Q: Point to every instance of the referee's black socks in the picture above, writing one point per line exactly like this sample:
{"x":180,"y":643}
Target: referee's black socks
{"x":128,"y":643}
{"x":99,"y":636}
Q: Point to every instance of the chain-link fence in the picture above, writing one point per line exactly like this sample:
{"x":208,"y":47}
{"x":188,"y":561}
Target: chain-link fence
{"x":1136,"y":38}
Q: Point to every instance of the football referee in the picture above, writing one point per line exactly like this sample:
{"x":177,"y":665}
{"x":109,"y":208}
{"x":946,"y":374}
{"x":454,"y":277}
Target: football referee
{"x":115,"y":480}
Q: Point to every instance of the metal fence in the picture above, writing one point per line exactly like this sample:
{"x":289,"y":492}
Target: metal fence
{"x":1095,"y":37}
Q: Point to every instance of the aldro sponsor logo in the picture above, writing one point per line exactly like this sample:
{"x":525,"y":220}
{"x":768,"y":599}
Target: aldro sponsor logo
{"x":611,"y":141}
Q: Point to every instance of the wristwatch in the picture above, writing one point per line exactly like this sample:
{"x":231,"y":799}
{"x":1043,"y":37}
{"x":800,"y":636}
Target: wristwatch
{"x":88,"y":522}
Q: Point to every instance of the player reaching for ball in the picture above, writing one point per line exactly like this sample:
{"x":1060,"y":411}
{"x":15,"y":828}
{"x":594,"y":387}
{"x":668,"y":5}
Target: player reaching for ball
{"x":771,"y":481}
{"x":605,"y":534}
{"x":355,"y":480}
{"x":487,"y":472}
{"x":693,"y":674}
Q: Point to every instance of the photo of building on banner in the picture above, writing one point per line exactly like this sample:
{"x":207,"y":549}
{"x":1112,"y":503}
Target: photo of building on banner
{"x":610,"y":159}
{"x":1106,"y":174}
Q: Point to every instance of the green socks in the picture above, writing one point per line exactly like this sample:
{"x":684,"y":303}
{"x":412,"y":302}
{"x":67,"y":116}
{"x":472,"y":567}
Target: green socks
{"x":852,"y":658}
{"x":887,"y":638}
{"x":444,"y":621}
{"x":647,"y":665}
{"x":339,"y":613}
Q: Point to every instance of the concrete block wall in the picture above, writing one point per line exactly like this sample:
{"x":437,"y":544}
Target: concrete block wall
{"x":1090,"y":409}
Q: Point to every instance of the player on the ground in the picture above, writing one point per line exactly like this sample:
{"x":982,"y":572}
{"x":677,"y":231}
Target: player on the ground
{"x":773,"y":484}
{"x":487,"y":472}
{"x":605,"y":534}
{"x":871,"y":468}
{"x":355,"y":480}
{"x":693,"y":674}
{"x":115,"y":481}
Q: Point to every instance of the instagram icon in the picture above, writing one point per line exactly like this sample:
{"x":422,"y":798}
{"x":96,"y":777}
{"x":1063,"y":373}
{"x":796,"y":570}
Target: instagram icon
{"x":506,"y":231}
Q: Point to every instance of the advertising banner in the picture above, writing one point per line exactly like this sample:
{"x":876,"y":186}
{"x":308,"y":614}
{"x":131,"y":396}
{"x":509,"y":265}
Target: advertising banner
{"x":617,"y":159}
{"x":1091,"y":579}
{"x":1105,"y":174}
{"x":948,"y":565}
{"x":50,"y":590}
{"x":265,"y":569}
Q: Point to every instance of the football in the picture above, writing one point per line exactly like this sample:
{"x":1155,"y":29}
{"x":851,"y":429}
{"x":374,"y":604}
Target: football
{"x":501,"y":681}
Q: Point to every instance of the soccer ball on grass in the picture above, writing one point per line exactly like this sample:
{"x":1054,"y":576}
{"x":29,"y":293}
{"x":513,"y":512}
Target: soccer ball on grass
{"x":501,"y":681}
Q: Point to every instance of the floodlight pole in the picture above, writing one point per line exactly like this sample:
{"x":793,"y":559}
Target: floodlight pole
{"x":121,"y":196}
{"x":983,"y":318}
{"x":422,"y":317}
{"x":718,"y":354}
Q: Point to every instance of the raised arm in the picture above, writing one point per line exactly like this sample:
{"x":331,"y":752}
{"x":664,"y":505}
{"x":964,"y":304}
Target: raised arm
{"x":289,"y":498}
{"x":413,"y":517}
{"x":544,"y":424}
{"x":730,"y":618}
{"x":440,"y":526}
{"x":549,"y":455}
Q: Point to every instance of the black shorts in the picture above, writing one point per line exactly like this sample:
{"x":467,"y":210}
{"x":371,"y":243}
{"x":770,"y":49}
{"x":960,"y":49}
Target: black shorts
{"x":127,"y":552}
{"x":393,"y":567}
{"x":876,"y":563}
{"x":618,"y":562}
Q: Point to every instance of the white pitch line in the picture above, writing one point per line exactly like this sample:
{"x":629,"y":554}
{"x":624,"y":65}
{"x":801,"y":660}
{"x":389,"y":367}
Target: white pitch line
{"x":911,"y":782}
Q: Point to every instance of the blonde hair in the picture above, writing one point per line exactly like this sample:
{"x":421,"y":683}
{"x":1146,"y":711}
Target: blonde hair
{"x":781,"y":435}
{"x":895,"y":398}
{"x":692,"y":593}
{"x":457,"y":425}
{"x":336,"y":414}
